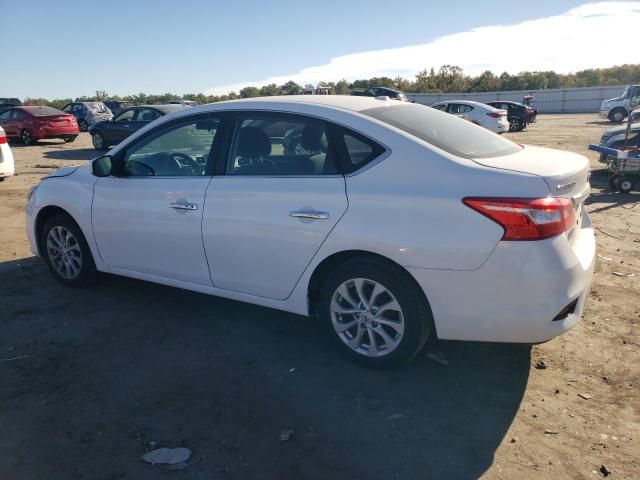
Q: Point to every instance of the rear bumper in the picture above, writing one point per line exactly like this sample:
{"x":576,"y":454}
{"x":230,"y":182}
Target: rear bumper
{"x":57,"y":132}
{"x":517,"y":293}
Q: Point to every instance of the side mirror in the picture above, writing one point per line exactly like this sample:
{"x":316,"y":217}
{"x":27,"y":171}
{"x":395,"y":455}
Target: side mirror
{"x":101,"y":166}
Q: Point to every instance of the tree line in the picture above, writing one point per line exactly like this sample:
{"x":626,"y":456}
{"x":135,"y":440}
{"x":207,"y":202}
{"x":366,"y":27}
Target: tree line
{"x":448,"y":78}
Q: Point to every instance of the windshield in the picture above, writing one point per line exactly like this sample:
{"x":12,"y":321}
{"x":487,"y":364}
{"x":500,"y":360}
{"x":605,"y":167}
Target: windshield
{"x":447,"y":132}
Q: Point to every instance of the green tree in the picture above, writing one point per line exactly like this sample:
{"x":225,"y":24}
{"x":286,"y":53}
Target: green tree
{"x":290,"y":88}
{"x":248,"y":92}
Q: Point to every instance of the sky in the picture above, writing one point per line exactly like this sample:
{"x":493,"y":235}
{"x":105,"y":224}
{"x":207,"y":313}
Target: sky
{"x":71,"y":48}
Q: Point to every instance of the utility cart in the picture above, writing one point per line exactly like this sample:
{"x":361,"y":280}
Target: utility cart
{"x":623,"y":164}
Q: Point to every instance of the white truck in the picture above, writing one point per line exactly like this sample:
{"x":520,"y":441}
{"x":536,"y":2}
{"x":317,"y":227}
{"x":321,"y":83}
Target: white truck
{"x":617,"y":109}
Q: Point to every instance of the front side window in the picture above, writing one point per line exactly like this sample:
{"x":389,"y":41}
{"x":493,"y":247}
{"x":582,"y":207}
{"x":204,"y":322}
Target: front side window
{"x":280,"y":145}
{"x":447,"y":132}
{"x":178,"y":150}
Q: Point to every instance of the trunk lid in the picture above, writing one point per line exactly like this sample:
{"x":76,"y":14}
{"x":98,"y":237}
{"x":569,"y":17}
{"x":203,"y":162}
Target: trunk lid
{"x":565,"y":173}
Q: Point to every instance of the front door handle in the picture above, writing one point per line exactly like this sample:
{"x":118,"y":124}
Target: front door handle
{"x":312,"y":214}
{"x":183,"y":205}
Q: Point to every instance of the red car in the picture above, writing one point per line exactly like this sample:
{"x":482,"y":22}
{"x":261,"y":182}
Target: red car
{"x":30,"y":124}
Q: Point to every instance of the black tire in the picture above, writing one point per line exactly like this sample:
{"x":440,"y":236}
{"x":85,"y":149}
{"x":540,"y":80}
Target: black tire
{"x":25,"y":136}
{"x":416,"y":313}
{"x":617,"y":115}
{"x":613,"y":183}
{"x":625,"y":184}
{"x":515,"y":125}
{"x":82,"y":125}
{"x":98,"y":141}
{"x":69,"y":138}
{"x":87,"y":271}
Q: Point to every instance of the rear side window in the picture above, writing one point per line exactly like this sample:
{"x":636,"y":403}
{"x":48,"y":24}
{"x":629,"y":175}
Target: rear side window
{"x":447,"y":132}
{"x":355,"y":150}
{"x":280,"y":145}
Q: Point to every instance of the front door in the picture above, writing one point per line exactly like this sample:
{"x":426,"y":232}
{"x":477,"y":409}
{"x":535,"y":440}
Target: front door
{"x":147,"y":218}
{"x":273,"y":205}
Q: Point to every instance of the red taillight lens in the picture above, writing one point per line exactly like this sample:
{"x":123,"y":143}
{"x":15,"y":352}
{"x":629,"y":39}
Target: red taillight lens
{"x":3,"y":137}
{"x":497,"y":114}
{"x":526,"y":218}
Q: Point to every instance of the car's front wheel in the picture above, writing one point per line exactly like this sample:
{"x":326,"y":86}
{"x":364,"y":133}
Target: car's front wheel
{"x":98,"y":141}
{"x":376,"y":312}
{"x":617,"y":115}
{"x":66,"y":252}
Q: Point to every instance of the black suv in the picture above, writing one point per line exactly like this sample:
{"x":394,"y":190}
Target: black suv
{"x":381,"y":92}
{"x":8,"y":103}
{"x":518,"y":114}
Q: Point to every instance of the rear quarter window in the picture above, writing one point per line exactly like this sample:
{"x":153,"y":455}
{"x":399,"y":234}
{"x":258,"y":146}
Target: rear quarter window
{"x":447,"y":132}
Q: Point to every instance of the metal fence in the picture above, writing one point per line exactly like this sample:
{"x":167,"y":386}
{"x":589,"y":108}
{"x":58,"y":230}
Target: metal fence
{"x":555,"y":100}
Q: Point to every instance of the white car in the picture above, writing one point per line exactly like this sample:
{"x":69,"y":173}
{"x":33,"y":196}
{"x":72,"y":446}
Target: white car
{"x":389,"y":221}
{"x":479,"y":113}
{"x":6,"y":157}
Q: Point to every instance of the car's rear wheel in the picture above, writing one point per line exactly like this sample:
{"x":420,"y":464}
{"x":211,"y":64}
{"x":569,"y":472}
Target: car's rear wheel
{"x":625,"y":184}
{"x":69,"y":138}
{"x":515,"y":125}
{"x":613,"y":182}
{"x":26,"y":137}
{"x":82,"y":125}
{"x":376,"y":312}
{"x":66,"y":252}
{"x":98,"y":141}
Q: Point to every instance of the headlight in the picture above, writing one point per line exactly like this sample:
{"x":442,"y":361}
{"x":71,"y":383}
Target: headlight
{"x":31,"y":192}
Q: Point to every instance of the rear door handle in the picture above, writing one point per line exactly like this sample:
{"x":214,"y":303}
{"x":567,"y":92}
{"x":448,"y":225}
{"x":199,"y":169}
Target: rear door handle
{"x":312,"y":214}
{"x":182,"y":205}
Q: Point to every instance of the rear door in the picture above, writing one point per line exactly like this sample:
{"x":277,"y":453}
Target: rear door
{"x":276,"y":196}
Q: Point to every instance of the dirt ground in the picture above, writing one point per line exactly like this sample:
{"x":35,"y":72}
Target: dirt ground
{"x":92,"y":379}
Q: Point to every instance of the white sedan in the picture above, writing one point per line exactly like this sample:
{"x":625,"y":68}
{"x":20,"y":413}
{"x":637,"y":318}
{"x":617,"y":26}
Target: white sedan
{"x":6,"y":157}
{"x":479,"y":113}
{"x":389,"y":221}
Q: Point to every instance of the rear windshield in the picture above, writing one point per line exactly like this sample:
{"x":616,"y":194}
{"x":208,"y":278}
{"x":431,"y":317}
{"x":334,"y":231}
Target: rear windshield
{"x":44,"y":111}
{"x":443,"y":130}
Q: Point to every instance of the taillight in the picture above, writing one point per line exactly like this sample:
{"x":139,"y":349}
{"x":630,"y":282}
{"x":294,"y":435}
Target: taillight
{"x":526,"y":218}
{"x":3,"y":137}
{"x":529,"y":110}
{"x":497,"y":114}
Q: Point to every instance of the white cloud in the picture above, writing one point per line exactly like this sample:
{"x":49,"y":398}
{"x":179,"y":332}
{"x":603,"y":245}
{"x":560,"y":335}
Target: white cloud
{"x":589,"y":36}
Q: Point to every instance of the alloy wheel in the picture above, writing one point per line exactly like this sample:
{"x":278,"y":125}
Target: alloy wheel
{"x":98,"y":141}
{"x":64,"y":252}
{"x":26,"y":137}
{"x":367,"y":317}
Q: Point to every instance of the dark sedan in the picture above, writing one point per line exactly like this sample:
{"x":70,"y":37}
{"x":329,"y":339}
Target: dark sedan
{"x":518,"y":114}
{"x":111,"y":132}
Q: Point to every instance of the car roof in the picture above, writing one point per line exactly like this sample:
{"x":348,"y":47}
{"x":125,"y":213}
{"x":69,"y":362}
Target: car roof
{"x":168,"y":108}
{"x":33,"y":108}
{"x":506,"y":101}
{"x":345,"y":102}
